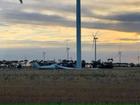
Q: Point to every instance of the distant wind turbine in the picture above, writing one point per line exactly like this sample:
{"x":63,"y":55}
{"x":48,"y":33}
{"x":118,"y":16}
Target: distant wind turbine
{"x":95,"y":38}
{"x":67,"y":49}
{"x":138,"y":60}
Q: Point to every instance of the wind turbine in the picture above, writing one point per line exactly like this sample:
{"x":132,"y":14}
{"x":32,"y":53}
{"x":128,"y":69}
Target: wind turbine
{"x":78,"y":32}
{"x":95,"y":38}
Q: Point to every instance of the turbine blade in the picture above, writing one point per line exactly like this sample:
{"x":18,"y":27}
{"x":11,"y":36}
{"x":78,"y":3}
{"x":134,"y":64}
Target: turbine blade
{"x":21,"y":1}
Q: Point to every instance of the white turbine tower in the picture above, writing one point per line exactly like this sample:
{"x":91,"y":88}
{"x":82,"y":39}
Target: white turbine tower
{"x":78,"y":32}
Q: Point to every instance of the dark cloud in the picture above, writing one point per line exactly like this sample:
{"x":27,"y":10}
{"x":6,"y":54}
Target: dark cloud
{"x":128,"y":39}
{"x":124,"y":17}
{"x":33,"y":42}
{"x":127,"y":21}
{"x":37,"y":18}
{"x":120,"y":26}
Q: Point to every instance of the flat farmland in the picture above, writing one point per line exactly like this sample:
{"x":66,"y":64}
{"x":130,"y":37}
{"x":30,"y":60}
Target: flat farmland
{"x":120,"y":85}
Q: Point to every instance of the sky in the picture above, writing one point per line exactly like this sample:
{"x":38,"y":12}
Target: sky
{"x":37,"y":26}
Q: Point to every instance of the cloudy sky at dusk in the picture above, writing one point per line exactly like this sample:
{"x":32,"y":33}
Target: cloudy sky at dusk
{"x":44,"y":25}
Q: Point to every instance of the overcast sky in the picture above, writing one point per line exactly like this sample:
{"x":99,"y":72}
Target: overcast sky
{"x":44,"y":25}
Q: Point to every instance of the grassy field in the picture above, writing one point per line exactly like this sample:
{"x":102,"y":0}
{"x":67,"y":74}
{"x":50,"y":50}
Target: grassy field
{"x":121,"y":85}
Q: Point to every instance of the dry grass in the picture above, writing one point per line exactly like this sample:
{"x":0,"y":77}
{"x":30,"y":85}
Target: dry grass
{"x":117,"y":85}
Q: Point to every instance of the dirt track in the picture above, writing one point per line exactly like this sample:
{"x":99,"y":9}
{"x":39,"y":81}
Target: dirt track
{"x":117,"y":85}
